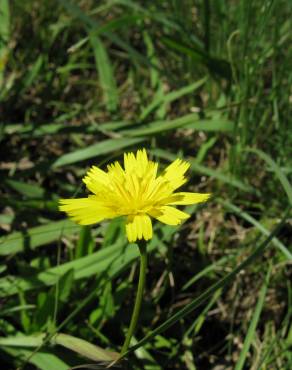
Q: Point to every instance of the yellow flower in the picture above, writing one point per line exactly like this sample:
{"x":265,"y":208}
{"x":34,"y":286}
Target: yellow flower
{"x":134,"y":191}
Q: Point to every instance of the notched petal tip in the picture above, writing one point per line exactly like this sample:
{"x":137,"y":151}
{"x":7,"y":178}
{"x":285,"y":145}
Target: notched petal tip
{"x":187,"y":198}
{"x":169,"y":215}
{"x":85,"y":211}
{"x":63,"y":203}
{"x":138,"y":227}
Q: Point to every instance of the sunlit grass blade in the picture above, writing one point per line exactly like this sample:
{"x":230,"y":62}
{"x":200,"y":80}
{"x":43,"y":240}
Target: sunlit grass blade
{"x":95,"y":150}
{"x":36,"y":237}
{"x":105,"y":73}
{"x":84,"y":348}
{"x":187,"y":121}
{"x":43,"y":360}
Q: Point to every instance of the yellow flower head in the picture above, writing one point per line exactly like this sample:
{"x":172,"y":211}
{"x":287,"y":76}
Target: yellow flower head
{"x":135,"y":191}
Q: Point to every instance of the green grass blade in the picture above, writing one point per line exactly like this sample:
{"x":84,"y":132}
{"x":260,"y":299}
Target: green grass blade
{"x":30,"y":130}
{"x":85,"y":242}
{"x":219,"y":66}
{"x":105,"y":73}
{"x":84,"y":348}
{"x":188,"y":121}
{"x":45,"y":360}
{"x":95,"y":150}
{"x":172,"y":96}
{"x":208,"y":269}
{"x":253,"y":324}
{"x":23,"y":341}
{"x":28,"y":190}
{"x":36,"y":236}
{"x":33,"y":73}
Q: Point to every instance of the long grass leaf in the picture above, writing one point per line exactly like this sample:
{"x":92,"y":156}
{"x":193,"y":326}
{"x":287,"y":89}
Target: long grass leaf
{"x":36,"y":237}
{"x":105,"y":72}
{"x":83,"y":347}
{"x":95,"y":150}
{"x":188,"y":121}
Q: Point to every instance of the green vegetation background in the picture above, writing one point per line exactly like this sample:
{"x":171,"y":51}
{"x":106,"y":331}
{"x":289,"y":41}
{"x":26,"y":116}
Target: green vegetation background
{"x":209,"y":81}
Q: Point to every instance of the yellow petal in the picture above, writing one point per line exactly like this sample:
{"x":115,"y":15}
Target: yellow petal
{"x":169,"y":215}
{"x":174,"y":173}
{"x":96,"y":179}
{"x":115,"y":170}
{"x":129,"y":162}
{"x":147,"y":227}
{"x":85,"y":211}
{"x":142,"y":162}
{"x":138,"y":227}
{"x":136,"y":164}
{"x":187,"y":198}
{"x":176,"y":168}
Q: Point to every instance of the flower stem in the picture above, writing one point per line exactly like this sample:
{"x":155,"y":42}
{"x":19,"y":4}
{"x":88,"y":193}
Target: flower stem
{"x":141,"y":284}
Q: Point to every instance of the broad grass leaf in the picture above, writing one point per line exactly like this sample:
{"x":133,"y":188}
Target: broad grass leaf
{"x":84,"y":348}
{"x":35,"y":237}
{"x":95,"y":150}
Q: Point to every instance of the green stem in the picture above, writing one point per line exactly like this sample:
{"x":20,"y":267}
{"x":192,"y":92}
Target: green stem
{"x":139,"y":296}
